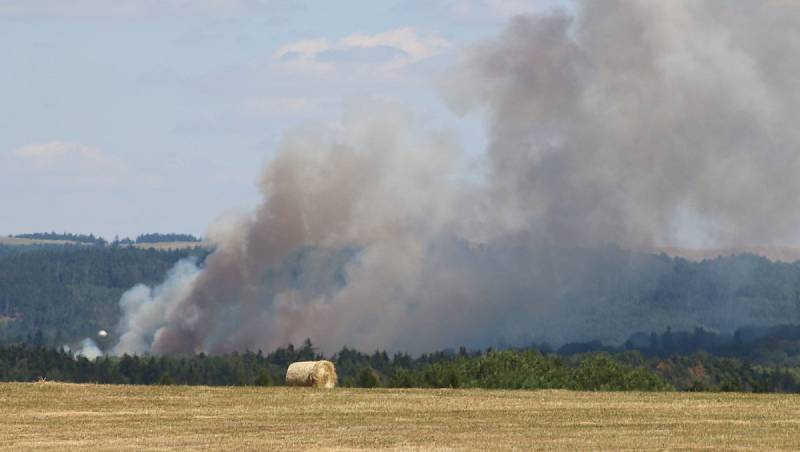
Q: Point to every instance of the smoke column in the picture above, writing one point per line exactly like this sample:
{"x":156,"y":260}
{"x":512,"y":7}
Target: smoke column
{"x":89,"y":350}
{"x":635,"y":123}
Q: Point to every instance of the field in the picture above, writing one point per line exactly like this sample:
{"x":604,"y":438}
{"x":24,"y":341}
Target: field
{"x":14,"y":241}
{"x":90,"y":417}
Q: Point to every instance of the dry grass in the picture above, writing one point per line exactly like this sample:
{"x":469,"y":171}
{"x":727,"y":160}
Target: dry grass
{"x":14,"y":241}
{"x":59,"y":416}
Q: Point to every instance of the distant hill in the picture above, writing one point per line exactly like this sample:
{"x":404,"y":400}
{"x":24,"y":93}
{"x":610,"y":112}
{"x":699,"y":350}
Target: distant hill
{"x":606,"y":294}
{"x":58,"y":294}
{"x":17,"y":241}
{"x":171,"y":241}
{"x":774,"y":253}
{"x":63,"y":237}
{"x":39,"y":240}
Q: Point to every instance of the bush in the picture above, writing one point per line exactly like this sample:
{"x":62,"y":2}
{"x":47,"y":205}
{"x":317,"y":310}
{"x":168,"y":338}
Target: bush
{"x":602,"y":373}
{"x":367,"y":378}
{"x":405,"y":378}
{"x":263,"y":378}
{"x":510,"y":369}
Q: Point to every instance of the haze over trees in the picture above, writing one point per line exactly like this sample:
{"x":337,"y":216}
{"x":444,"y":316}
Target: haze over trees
{"x":66,"y":293}
{"x":52,"y":296}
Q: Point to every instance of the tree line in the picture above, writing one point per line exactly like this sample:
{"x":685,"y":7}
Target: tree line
{"x":489,"y":369}
{"x":768,"y":345}
{"x":171,"y":237}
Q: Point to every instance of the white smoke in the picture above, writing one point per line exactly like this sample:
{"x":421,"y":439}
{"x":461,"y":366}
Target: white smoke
{"x":89,"y":350}
{"x":144,"y":309}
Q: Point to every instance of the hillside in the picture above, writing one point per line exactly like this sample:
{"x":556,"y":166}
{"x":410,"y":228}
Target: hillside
{"x":786,"y":254}
{"x":59,"y":294}
{"x":17,"y":241}
{"x":70,"y":291}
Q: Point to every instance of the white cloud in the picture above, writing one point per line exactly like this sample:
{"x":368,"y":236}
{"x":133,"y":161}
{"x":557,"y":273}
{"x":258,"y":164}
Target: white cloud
{"x":57,"y":149}
{"x":415,"y":48}
{"x":387,"y":51}
{"x":67,"y":162}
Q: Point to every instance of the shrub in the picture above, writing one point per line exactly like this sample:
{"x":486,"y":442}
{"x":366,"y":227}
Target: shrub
{"x":263,"y":378}
{"x":367,"y":378}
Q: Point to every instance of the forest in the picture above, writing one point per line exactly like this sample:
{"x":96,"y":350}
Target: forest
{"x":170,"y":237}
{"x":53,"y":296}
{"x":490,"y":369}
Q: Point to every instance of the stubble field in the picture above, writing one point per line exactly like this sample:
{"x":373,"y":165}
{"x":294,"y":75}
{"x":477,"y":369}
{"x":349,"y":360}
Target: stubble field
{"x":59,"y":416}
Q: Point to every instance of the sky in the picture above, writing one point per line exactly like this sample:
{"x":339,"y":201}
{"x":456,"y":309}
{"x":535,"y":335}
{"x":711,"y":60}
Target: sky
{"x":121,"y":117}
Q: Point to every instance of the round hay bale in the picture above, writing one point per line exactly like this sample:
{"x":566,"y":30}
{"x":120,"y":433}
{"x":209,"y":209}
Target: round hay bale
{"x":318,"y":374}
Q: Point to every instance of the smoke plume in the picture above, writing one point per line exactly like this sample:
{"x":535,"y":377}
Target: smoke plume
{"x":635,"y":123}
{"x":89,"y":350}
{"x":641,"y":122}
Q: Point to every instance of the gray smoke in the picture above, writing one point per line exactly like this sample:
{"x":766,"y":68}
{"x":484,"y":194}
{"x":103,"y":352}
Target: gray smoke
{"x":644,"y":122}
{"x":636,"y":123}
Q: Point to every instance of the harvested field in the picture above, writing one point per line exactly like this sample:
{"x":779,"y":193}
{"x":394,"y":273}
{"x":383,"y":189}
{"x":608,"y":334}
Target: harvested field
{"x":90,"y":417}
{"x":172,"y":245}
{"x":15,"y":241}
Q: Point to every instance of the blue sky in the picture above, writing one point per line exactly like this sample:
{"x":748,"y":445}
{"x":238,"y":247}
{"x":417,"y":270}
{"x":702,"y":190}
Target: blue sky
{"x":121,"y":117}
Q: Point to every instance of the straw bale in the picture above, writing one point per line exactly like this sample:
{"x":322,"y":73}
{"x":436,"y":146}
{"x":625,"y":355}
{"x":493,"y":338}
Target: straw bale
{"x":318,"y":374}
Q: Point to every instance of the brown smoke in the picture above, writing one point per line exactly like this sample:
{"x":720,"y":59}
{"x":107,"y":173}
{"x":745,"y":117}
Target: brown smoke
{"x":637,"y":123}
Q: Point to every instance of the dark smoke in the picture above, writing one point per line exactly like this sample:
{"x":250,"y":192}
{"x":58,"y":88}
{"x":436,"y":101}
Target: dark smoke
{"x":635,"y":123}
